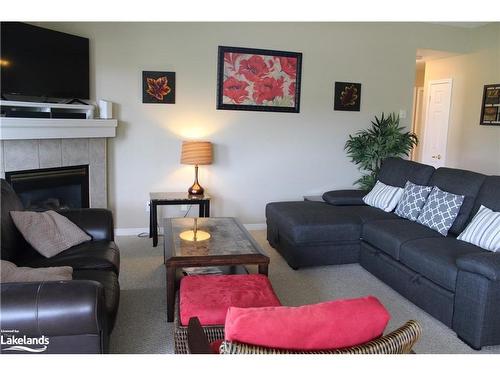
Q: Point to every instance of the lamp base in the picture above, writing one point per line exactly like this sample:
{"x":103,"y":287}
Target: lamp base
{"x":196,"y":189}
{"x":194,"y":235}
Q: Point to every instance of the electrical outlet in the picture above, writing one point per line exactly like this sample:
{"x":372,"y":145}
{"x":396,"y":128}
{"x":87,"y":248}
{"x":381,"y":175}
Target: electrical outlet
{"x":184,"y":207}
{"x":147,"y":206}
{"x":402,"y":114}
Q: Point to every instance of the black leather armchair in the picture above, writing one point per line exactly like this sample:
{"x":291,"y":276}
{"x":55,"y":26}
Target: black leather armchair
{"x":76,"y":316}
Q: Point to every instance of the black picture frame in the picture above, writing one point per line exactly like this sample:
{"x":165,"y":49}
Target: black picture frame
{"x":490,"y":107}
{"x":292,"y":74}
{"x":155,"y":91}
{"x":347,"y":96}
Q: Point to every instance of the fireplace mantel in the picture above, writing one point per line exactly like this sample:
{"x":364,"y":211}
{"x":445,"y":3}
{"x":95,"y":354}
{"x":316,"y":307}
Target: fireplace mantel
{"x":12,"y":128}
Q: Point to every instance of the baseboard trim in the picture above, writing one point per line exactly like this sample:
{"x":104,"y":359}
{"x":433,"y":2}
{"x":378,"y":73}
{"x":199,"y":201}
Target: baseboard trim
{"x":137,"y":231}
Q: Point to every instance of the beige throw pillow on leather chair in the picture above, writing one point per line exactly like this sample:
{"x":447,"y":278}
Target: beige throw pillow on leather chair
{"x":48,"y":232}
{"x":10,"y":273}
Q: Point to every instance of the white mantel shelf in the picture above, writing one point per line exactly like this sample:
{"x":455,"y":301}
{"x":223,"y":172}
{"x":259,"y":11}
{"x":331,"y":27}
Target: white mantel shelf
{"x":45,"y":128}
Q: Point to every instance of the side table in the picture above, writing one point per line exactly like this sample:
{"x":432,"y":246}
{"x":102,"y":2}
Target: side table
{"x":169,"y":199}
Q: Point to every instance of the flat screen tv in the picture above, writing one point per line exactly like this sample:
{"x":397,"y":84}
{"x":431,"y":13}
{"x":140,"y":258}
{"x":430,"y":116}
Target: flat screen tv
{"x":38,"y":62}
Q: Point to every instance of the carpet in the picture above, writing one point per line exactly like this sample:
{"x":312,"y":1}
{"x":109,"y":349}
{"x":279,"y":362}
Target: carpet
{"x":142,"y":327}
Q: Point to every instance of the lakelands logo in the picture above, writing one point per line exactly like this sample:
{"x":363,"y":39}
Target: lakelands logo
{"x":12,"y":342}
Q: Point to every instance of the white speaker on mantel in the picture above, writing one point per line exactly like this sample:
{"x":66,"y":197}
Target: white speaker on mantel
{"x":105,"y":109}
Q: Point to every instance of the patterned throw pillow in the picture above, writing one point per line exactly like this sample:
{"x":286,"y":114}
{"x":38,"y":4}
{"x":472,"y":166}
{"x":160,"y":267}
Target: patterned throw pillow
{"x":414,"y":197}
{"x":383,"y":196}
{"x":440,"y":210}
{"x":483,"y":230}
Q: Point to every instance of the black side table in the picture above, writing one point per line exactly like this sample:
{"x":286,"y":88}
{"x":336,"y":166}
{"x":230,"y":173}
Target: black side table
{"x":169,"y":199}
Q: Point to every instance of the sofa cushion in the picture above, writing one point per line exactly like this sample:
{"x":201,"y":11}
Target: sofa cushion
{"x":365,"y":214}
{"x":10,"y":273}
{"x":440,"y":210}
{"x":209,"y":296}
{"x":383,"y":196}
{"x":326,"y":325}
{"x":99,"y":255}
{"x":345,"y":197}
{"x":314,"y":222}
{"x":459,"y":182}
{"x":435,"y":258}
{"x":396,"y":171}
{"x":109,"y":281}
{"x":390,"y":235}
{"x":489,"y":195}
{"x":412,"y":201}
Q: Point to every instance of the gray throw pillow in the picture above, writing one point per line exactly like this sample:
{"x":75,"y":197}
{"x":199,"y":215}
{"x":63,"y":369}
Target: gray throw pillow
{"x":48,"y":232}
{"x":440,"y":210}
{"x":414,"y":197}
{"x":10,"y":273}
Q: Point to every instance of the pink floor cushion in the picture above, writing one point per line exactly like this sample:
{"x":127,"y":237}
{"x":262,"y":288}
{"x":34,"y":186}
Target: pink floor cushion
{"x":327,"y":325}
{"x":209,"y":296}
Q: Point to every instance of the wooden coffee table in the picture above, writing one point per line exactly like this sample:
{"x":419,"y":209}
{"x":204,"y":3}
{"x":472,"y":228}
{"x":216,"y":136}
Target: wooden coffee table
{"x":229,"y":244}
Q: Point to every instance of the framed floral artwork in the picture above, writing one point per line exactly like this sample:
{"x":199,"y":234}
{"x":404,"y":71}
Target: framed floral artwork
{"x":490,"y":108}
{"x":158,"y":87}
{"x":251,"y":79}
{"x":347,"y":96}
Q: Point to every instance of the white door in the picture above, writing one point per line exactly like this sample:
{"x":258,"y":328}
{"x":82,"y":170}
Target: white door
{"x":436,"y":123}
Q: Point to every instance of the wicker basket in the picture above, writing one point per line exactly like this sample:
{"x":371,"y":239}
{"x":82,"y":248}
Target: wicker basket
{"x":180,"y":332}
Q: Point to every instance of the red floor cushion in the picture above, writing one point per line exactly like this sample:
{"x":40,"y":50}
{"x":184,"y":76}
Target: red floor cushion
{"x":209,"y":296}
{"x":327,"y":325}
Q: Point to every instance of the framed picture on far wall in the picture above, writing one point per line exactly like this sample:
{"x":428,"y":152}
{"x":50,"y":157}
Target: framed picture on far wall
{"x":158,"y":87}
{"x":347,"y":96}
{"x":251,"y":79}
{"x":490,"y":108}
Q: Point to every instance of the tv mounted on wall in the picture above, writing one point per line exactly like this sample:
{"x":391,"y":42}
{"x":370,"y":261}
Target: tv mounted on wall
{"x":38,"y":62}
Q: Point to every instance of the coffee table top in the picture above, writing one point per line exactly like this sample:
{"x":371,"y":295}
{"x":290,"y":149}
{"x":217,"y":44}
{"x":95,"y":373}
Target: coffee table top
{"x":228,"y":238}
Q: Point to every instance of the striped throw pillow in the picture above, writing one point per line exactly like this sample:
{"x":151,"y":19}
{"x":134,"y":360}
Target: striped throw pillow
{"x":383,"y":196}
{"x":483,"y":230}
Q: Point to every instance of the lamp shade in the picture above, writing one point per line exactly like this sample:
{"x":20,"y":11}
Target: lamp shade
{"x":196,"y":152}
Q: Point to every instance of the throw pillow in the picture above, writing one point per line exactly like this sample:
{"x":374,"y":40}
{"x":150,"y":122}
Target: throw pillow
{"x":322,"y":326}
{"x":383,"y":196}
{"x":483,"y":230}
{"x":440,"y":210}
{"x":10,"y":273}
{"x":412,"y":201}
{"x":48,"y":232}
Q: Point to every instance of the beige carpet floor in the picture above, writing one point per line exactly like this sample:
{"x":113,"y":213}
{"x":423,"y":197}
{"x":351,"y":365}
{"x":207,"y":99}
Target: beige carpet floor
{"x":142,"y":320}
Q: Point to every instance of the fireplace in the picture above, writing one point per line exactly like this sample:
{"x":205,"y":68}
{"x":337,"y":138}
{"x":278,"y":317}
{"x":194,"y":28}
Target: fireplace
{"x":51,"y":188}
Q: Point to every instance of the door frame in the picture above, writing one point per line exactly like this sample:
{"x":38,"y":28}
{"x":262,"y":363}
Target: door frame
{"x":427,"y":112}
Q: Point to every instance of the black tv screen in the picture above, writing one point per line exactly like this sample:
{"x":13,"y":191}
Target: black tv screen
{"x":43,"y":63}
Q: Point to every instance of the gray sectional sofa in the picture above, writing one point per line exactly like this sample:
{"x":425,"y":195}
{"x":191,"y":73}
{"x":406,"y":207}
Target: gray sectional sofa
{"x":454,"y":281}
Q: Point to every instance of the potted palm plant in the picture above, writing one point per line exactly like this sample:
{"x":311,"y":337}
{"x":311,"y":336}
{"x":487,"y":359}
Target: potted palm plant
{"x":367,"y":148}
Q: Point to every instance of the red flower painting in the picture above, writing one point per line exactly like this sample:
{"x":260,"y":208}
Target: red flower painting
{"x":253,"y":68}
{"x":258,"y":79}
{"x":267,"y":89}
{"x":289,"y":65}
{"x":236,"y":90}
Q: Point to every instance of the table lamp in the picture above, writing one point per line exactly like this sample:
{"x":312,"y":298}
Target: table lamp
{"x":196,"y":153}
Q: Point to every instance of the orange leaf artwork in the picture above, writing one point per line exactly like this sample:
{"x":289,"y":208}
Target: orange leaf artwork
{"x":158,"y":88}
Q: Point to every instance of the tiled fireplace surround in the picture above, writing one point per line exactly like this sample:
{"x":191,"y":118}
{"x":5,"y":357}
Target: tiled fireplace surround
{"x":50,"y":153}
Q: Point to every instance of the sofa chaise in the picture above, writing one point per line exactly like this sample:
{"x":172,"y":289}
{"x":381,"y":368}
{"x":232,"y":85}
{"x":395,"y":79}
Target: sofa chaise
{"x":77,"y":315}
{"x":454,"y":281}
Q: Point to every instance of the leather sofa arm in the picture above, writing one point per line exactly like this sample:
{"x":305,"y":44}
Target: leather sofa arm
{"x":486,"y":264}
{"x":55,"y":308}
{"x":97,"y":222}
{"x":345,"y":197}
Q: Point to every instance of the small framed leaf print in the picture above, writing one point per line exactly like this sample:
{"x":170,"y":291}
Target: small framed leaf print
{"x":251,"y":79}
{"x":347,"y":96}
{"x":158,"y":87}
